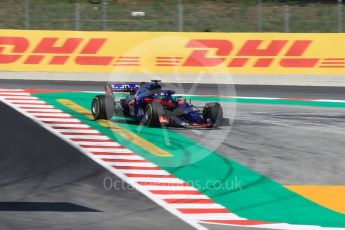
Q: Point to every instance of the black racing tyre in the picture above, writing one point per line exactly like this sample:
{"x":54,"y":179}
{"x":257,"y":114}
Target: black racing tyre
{"x":102,"y":107}
{"x":152,"y":113}
{"x":125,"y":107}
{"x":214,"y":112}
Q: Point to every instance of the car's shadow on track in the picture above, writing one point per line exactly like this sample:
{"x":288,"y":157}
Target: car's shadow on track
{"x":128,"y":121}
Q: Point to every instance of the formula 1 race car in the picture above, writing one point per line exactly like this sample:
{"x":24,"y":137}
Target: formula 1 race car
{"x":153,"y":106}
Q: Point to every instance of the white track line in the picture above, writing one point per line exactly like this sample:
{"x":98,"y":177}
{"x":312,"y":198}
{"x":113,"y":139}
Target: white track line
{"x":45,"y":110}
{"x":155,"y":180}
{"x":35,"y":106}
{"x":124,"y":156}
{"x":11,"y":93}
{"x":29,"y":98}
{"x":182,"y":196}
{"x":173,"y":188}
{"x":151,"y":172}
{"x":215,"y":216}
{"x":140,"y":164}
{"x":11,"y":90}
{"x":50,"y":114}
{"x":59,"y":119}
{"x":29,"y":102}
{"x":108,"y":150}
{"x":198,"y":206}
{"x":85,"y":136}
{"x":90,"y":131}
{"x":97,"y":143}
{"x":69,"y":126}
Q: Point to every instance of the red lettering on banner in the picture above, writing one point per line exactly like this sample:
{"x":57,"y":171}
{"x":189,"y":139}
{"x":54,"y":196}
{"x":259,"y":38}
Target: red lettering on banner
{"x":90,"y":60}
{"x":47,"y":45}
{"x":7,"y":59}
{"x":251,"y":48}
{"x":263,"y":62}
{"x":93,"y":45}
{"x":298,"y":48}
{"x":19,"y":45}
{"x":205,"y":52}
{"x":238,"y":62}
{"x":298,"y":62}
{"x":58,"y":60}
{"x":34,"y":59}
{"x":199,"y":57}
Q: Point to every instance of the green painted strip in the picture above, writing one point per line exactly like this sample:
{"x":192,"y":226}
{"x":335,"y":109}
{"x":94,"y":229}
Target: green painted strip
{"x":260,"y":197}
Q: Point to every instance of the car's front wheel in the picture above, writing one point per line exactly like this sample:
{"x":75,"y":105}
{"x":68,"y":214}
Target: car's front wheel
{"x":125,"y":107}
{"x":152,"y":113}
{"x":213,"y":113}
{"x":102,"y":107}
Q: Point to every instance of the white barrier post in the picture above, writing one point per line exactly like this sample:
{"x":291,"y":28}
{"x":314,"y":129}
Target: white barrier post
{"x":340,"y":16}
{"x":259,"y":19}
{"x":104,"y":15}
{"x":26,"y":14}
{"x":180,"y":15}
{"x":77,"y":17}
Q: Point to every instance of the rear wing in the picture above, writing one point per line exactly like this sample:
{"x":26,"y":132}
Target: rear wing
{"x":121,"y":88}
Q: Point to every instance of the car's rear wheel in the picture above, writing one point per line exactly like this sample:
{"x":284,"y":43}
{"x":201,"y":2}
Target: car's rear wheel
{"x":102,"y":107}
{"x":152,"y":112}
{"x":213,"y":113}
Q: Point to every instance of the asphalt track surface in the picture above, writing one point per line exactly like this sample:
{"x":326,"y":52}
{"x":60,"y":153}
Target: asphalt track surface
{"x":290,"y":144}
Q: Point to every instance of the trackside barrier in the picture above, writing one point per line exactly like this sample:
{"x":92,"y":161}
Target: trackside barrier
{"x":168,"y":52}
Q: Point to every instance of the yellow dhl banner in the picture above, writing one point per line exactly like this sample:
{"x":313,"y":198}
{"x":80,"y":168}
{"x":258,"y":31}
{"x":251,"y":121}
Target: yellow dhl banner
{"x":169,"y":52}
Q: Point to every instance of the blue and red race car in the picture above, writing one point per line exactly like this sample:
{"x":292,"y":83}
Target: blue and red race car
{"x":153,"y":106}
